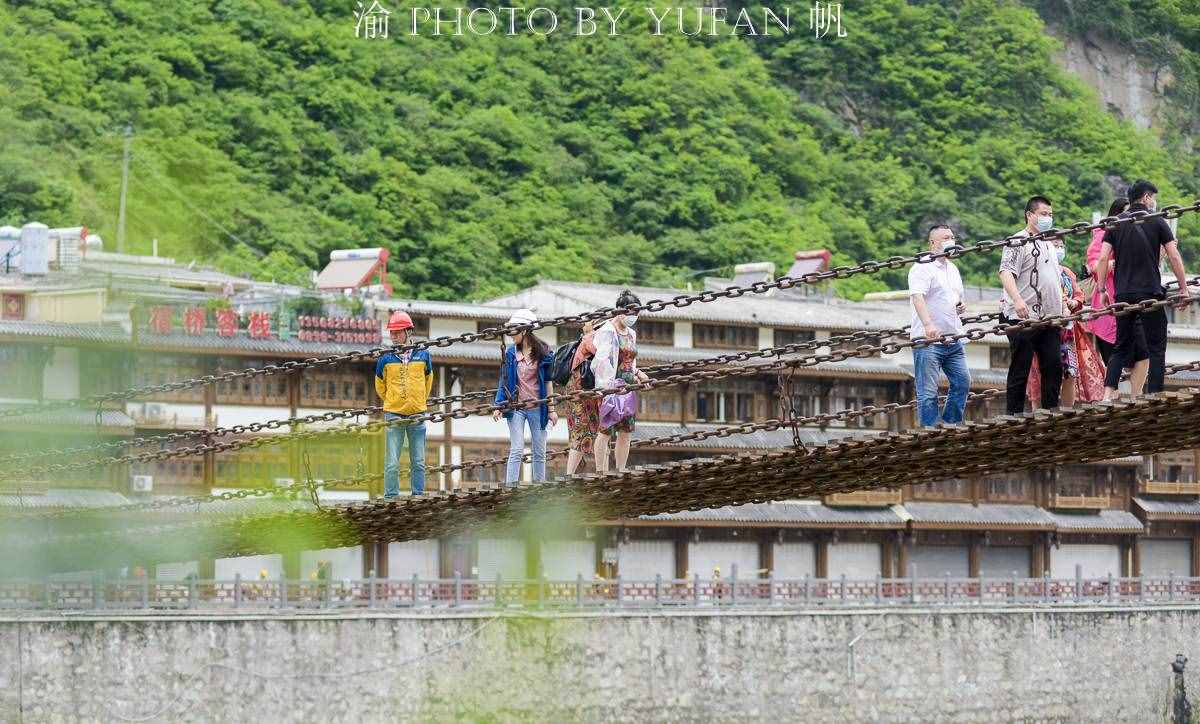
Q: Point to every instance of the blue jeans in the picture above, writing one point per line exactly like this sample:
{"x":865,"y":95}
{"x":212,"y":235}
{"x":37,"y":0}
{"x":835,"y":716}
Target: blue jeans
{"x":395,"y":435}
{"x":928,"y":363}
{"x":516,"y":444}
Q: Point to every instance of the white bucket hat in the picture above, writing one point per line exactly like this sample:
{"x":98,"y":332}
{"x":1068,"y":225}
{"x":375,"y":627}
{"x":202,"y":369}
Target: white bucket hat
{"x":522,"y":316}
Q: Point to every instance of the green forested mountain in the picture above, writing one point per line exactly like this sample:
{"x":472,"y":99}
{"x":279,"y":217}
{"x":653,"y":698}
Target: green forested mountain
{"x":266,"y":134}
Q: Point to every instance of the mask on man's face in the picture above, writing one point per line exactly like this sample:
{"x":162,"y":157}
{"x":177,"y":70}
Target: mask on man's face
{"x":1045,"y":223}
{"x":1152,"y":205}
{"x":1061,"y":253}
{"x":630,"y":320}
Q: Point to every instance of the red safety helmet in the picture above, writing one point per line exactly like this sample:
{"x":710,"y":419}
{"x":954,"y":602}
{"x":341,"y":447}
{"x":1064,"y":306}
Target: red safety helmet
{"x":399,"y":321}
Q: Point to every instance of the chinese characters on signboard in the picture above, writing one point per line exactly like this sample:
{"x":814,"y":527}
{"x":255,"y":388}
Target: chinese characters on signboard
{"x":339,"y":329}
{"x":195,"y":322}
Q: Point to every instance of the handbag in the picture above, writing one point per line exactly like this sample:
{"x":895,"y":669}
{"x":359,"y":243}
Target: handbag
{"x":560,"y":369}
{"x":1087,"y":282}
{"x":617,"y":407}
{"x":587,"y":378}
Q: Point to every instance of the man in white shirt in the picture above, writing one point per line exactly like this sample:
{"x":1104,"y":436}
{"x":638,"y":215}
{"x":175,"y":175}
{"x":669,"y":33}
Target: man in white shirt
{"x":936,"y":291}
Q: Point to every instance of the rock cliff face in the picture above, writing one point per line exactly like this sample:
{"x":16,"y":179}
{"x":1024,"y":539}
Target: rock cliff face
{"x":1130,"y":87}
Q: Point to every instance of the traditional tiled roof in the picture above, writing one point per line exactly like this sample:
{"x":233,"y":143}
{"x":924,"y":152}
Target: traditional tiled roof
{"x":63,"y":498}
{"x":554,"y":298}
{"x":449,"y":310}
{"x":111,"y":421}
{"x":1104,"y":521}
{"x":96,"y":333}
{"x":170,"y":273}
{"x":242,"y":343}
{"x":791,"y":513}
{"x":1168,"y":509}
{"x":761,"y":440}
{"x":987,"y":515}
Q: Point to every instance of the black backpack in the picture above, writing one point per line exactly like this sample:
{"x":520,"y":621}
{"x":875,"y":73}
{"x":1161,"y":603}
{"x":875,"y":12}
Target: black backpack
{"x":560,"y":369}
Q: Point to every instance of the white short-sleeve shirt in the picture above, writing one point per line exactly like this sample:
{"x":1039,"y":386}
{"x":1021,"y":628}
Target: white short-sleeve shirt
{"x":939,"y":282}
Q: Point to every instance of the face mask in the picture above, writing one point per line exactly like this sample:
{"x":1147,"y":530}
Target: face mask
{"x":630,"y":320}
{"x":1152,"y":206}
{"x":1061,"y":252}
{"x":1045,"y":223}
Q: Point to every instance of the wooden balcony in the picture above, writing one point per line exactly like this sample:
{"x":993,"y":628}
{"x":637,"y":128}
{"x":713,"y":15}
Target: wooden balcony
{"x":866,"y":498}
{"x":1156,"y":487}
{"x":1079,"y":502}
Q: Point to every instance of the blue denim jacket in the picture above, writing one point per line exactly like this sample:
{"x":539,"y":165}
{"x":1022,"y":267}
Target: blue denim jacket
{"x":508,"y":382}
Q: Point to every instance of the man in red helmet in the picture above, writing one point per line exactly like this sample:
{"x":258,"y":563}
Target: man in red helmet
{"x":403,"y":381}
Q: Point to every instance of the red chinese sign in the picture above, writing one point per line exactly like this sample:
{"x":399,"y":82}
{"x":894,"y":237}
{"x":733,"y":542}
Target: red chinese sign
{"x":344,"y":330}
{"x":227,"y":322}
{"x":260,"y":325}
{"x":341,"y":330}
{"x":160,"y":320}
{"x":194,"y":321}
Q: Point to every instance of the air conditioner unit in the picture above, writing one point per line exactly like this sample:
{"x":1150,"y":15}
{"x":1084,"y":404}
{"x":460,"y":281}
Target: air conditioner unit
{"x":142,"y":483}
{"x":284,"y":482}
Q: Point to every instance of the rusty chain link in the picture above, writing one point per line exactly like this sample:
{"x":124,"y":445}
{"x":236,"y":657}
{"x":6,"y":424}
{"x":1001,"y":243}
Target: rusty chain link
{"x":365,"y":479}
{"x":653,"y":306}
{"x":975,"y":334}
{"x":257,"y":427}
{"x":1088,"y":433}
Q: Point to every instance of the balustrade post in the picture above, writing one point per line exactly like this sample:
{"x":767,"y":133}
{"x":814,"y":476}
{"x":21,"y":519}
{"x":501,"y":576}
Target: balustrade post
{"x":237,"y":590}
{"x":843,"y":592}
{"x":579,"y":590}
{"x":1078,"y":583}
{"x":1171,"y":586}
{"x":416,"y":590}
{"x":696,"y":590}
{"x":457,"y":589}
{"x":620,"y":595}
{"x":879,"y":589}
{"x":371,"y":588}
{"x":658,"y":588}
{"x":733,"y":585}
{"x":98,"y":590}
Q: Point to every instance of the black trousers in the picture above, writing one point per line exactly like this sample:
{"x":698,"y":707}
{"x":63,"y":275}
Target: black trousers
{"x":1140,"y":335}
{"x":1045,"y":344}
{"x":1104,"y":348}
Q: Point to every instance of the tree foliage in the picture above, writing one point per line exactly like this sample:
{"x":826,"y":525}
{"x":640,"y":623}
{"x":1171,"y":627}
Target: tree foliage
{"x":267,"y":135}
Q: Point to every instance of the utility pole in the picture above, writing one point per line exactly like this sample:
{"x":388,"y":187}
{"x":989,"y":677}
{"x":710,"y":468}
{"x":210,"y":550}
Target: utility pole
{"x":124,"y":187}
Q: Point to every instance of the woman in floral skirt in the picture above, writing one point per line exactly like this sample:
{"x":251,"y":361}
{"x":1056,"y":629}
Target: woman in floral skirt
{"x":583,"y":416}
{"x":616,"y":361}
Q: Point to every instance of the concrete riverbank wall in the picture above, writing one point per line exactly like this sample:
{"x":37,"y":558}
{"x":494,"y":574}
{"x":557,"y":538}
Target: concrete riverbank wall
{"x":914,"y":665}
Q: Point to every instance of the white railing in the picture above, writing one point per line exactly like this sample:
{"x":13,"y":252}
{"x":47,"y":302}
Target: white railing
{"x":582,"y":593}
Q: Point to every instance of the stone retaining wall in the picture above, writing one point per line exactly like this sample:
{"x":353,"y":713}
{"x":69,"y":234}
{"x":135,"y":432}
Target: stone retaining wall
{"x":903,"y":665}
